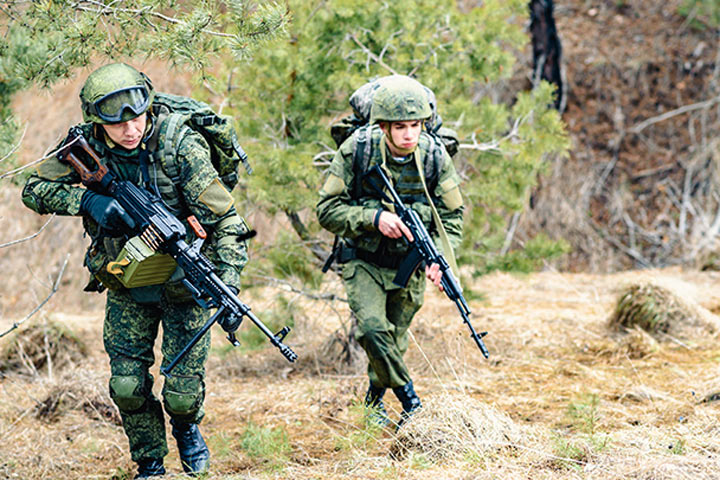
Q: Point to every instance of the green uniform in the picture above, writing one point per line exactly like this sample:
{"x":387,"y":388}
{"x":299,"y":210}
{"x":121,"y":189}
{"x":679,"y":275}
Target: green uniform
{"x":347,"y":208}
{"x":133,"y":315}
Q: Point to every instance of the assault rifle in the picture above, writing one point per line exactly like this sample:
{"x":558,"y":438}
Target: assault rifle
{"x":163,"y":232}
{"x":423,"y":250}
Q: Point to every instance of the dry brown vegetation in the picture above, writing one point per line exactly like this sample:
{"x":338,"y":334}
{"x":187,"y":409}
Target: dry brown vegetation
{"x":640,"y":186}
{"x":563,"y":395}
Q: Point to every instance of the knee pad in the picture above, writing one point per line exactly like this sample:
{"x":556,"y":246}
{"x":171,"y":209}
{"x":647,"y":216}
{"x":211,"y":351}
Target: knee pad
{"x":183,"y":396}
{"x":127,"y":391}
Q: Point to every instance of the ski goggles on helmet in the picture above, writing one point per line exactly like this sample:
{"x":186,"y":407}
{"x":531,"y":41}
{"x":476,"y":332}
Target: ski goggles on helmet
{"x":111,"y":107}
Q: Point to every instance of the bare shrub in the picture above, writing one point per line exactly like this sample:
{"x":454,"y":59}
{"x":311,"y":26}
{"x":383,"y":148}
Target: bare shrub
{"x":340,"y":352}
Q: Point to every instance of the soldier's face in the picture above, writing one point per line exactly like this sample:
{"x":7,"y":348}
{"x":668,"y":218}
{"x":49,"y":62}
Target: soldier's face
{"x":405,"y":135}
{"x":127,"y":134}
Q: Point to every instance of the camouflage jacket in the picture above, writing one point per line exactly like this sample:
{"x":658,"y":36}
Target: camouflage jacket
{"x":348,"y":210}
{"x":53,"y":188}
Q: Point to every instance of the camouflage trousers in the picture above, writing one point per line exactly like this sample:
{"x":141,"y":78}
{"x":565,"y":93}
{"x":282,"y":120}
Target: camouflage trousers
{"x":384,"y":312}
{"x":129,"y":334}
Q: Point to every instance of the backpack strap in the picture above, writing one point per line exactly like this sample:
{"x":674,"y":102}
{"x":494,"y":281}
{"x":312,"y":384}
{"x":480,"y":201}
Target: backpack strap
{"x":444,"y":239}
{"x":174,"y":126}
{"x":361,"y":156}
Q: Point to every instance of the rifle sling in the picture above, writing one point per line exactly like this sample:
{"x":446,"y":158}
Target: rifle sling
{"x":444,"y":239}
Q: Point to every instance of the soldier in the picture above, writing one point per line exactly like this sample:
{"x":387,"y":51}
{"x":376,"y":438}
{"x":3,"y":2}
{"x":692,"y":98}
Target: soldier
{"x":373,"y":245}
{"x":128,"y":130}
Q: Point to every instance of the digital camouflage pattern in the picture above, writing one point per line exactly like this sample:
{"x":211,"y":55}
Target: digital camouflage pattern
{"x":133,"y":315}
{"x":362,"y":99}
{"x":384,"y":311}
{"x":53,"y":189}
{"x":129,"y":333}
{"x":108,"y":79}
{"x":361,"y":103}
{"x":177,"y":112}
{"x":398,"y":99}
{"x":349,"y":213}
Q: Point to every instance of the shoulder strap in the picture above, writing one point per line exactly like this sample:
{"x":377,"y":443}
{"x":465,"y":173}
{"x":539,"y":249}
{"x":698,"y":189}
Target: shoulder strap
{"x":174,"y":125}
{"x":361,"y":157}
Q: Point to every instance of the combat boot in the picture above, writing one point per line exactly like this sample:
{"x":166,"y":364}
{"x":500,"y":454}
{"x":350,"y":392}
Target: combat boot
{"x":377,"y":414}
{"x":194,"y":453}
{"x":150,"y":468}
{"x":408,"y":399}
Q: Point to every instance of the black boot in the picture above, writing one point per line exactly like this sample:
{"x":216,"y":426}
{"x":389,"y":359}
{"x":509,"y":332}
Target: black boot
{"x":408,"y":399}
{"x":373,"y":402}
{"x":150,"y":468}
{"x":194,"y":453}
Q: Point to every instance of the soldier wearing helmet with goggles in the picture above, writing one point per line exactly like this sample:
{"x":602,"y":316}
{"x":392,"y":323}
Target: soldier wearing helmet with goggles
{"x":131,"y":134}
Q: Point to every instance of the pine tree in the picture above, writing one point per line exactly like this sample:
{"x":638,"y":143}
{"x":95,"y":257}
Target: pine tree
{"x":285,"y":94}
{"x":46,"y":41}
{"x":287,"y":98}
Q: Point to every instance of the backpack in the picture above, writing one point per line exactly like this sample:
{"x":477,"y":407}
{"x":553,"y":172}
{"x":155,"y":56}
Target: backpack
{"x":359,"y":121}
{"x":226,"y":153}
{"x":361,"y":103}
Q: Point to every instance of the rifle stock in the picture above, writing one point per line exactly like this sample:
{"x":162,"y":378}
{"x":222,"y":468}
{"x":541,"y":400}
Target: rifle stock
{"x":423,"y":249}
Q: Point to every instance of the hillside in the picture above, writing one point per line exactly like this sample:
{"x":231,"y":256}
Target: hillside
{"x":640,"y":185}
{"x":561,"y":396}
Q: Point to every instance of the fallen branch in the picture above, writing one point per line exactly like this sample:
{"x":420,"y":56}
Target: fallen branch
{"x":288,"y":287}
{"x":673,"y":113}
{"x":632,"y":253}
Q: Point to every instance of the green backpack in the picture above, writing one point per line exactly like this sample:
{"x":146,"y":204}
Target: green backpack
{"x":361,"y":103}
{"x":174,"y":111}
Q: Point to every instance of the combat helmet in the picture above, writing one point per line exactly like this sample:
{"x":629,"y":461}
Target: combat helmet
{"x":400,"y":98}
{"x":115,"y":93}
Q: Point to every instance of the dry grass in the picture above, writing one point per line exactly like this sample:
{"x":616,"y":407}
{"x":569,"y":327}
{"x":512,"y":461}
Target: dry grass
{"x":659,"y":310}
{"x":41,"y":347}
{"x":560,"y":398}
{"x":457,"y":427}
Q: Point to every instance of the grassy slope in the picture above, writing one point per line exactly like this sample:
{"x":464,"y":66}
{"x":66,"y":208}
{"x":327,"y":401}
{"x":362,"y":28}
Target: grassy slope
{"x":583,"y":403}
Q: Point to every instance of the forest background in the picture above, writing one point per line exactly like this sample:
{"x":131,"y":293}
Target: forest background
{"x":624,"y":177}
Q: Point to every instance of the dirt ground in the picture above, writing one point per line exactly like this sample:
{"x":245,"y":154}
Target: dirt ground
{"x":561,"y":397}
{"x":582,"y":401}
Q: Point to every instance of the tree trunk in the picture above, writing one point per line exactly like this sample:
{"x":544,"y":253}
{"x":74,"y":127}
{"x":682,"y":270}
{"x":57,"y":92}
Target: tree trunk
{"x":547,"y":51}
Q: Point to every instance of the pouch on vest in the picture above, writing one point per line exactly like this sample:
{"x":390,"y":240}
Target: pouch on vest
{"x":138,"y":265}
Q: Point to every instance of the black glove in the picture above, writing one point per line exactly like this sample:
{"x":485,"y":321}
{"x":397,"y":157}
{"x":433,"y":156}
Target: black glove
{"x":230,"y":323}
{"x":107,"y":212}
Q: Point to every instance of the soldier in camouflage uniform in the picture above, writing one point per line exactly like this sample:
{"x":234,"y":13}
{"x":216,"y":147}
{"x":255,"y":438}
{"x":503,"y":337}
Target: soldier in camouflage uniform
{"x":124,"y":128}
{"x":372,"y":246}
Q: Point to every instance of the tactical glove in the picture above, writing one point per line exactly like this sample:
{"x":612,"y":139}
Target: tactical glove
{"x":107,"y":212}
{"x":230,"y":323}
